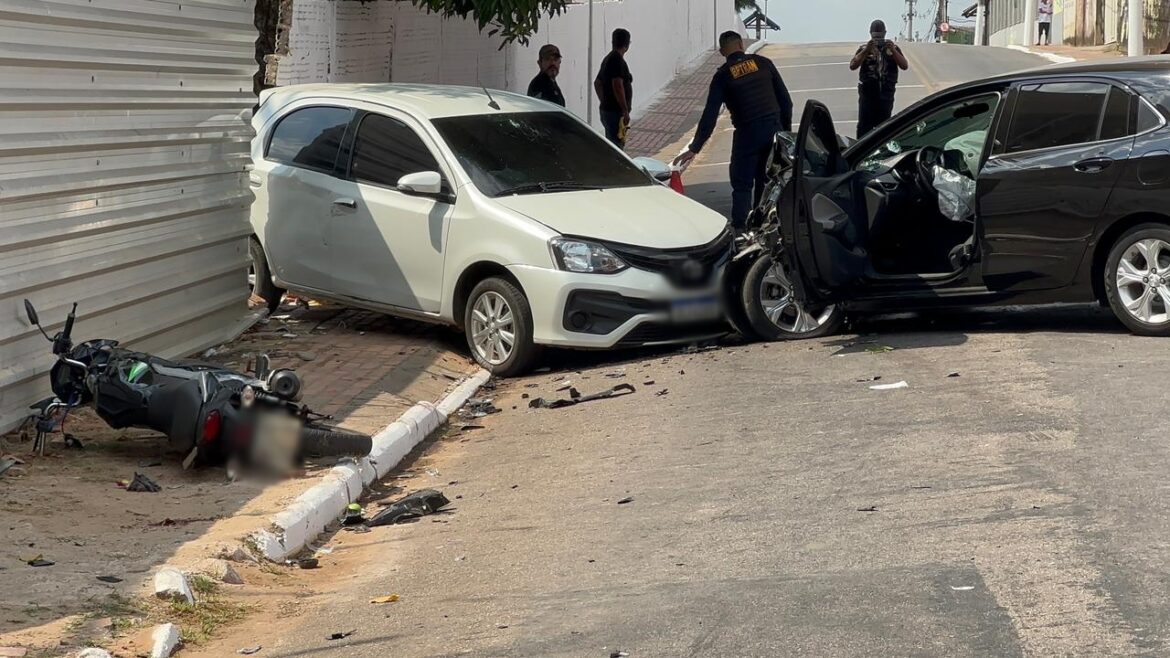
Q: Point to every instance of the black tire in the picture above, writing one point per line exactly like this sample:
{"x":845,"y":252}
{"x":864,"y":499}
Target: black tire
{"x":1113,"y":292}
{"x":524,"y":352}
{"x":317,"y":441}
{"x":263,"y":287}
{"x":733,"y":299}
{"x":762,"y":325}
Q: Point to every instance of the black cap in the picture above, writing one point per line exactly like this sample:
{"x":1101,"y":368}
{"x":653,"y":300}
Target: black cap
{"x":877,"y":27}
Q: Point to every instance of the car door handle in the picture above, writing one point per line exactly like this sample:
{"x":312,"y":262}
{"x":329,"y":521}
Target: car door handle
{"x":1093,"y":165}
{"x":345,"y":203}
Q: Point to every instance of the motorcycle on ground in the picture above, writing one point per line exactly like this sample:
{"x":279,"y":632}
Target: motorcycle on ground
{"x":760,"y":299}
{"x":209,"y":413}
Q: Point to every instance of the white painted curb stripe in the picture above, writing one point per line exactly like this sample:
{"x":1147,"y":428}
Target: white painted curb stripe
{"x":306,"y":517}
{"x":1052,"y":57}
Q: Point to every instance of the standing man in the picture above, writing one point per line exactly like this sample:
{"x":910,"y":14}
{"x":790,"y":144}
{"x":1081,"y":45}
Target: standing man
{"x":879,"y":61}
{"x":615,"y":89}
{"x":760,"y":106}
{"x":544,"y":86}
{"x":1045,"y":20}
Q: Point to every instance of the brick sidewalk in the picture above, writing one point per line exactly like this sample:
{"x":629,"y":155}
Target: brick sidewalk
{"x":676,"y":111}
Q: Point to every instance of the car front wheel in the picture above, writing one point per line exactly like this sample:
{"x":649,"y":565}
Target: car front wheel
{"x":1137,"y":279}
{"x":498,"y":325}
{"x":774,"y":314}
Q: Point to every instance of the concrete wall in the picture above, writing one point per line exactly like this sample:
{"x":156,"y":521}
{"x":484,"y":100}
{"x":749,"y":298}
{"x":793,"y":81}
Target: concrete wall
{"x":1005,"y":22}
{"x":347,"y":41}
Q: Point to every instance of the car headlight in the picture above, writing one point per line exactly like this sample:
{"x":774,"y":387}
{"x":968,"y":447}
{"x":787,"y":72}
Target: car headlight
{"x":579,"y":256}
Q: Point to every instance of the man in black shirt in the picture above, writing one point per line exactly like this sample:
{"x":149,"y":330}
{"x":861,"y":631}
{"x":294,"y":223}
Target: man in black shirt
{"x":759,"y":104}
{"x":879,"y":61}
{"x":615,"y":89}
{"x":544,"y":86}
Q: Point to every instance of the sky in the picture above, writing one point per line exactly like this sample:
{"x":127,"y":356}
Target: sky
{"x":814,"y":21}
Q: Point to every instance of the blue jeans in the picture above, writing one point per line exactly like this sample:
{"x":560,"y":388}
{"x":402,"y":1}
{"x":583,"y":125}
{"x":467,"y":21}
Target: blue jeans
{"x":749,"y":154}
{"x":611,"y":121}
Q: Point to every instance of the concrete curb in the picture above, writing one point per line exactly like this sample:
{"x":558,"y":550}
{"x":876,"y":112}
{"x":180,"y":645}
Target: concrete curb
{"x":1052,"y":57}
{"x":306,"y":517}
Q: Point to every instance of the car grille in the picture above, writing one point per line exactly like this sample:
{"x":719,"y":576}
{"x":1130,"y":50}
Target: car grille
{"x":689,"y":267}
{"x":650,"y":333}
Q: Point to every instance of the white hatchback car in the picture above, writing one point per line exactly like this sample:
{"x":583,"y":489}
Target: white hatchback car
{"x":503,"y":215}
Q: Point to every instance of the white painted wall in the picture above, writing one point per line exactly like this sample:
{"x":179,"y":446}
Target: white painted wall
{"x":332,"y":41}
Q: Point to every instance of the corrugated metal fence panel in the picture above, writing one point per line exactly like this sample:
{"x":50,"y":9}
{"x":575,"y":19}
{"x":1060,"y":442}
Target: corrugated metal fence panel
{"x":124,"y":148}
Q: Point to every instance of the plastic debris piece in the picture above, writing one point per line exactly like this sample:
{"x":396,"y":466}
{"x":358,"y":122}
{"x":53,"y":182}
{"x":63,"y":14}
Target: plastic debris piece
{"x":871,"y":508}
{"x":625,"y":501}
{"x":109,"y":579}
{"x":308,"y":563}
{"x":417,"y":504}
{"x":889,"y":387}
{"x":247,"y":651}
{"x":879,"y":349}
{"x":954,"y":374}
{"x":143,"y":483}
{"x":620,"y":389}
{"x":962,"y":588}
{"x":341,"y":635}
{"x":393,"y":598}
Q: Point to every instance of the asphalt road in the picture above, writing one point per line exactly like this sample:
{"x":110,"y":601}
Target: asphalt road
{"x":1010,"y":501}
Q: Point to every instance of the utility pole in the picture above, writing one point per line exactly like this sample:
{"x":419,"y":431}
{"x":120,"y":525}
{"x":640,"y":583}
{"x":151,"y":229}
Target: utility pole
{"x":944,"y":16}
{"x":589,"y":70}
{"x":981,"y":23}
{"x":910,"y":19}
{"x":1031,"y":9}
{"x":1137,"y":28}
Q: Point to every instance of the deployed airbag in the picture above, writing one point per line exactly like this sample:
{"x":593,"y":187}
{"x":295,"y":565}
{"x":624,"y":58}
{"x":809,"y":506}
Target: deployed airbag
{"x":956,"y":195}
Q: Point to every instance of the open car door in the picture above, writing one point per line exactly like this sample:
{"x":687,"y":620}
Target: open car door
{"x":824,"y":225}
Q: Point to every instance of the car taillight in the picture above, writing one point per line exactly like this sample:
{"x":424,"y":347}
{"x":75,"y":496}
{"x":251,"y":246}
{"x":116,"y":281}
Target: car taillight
{"x":211,"y":426}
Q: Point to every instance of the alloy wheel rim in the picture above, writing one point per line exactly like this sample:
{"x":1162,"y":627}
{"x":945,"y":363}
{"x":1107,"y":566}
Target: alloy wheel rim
{"x":776,"y":299}
{"x":1143,"y":281}
{"x":493,"y":328}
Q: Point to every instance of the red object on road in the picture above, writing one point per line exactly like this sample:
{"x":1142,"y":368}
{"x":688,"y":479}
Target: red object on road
{"x":676,"y":183}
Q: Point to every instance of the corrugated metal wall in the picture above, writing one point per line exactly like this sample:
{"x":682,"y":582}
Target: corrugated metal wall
{"x":124,"y":129}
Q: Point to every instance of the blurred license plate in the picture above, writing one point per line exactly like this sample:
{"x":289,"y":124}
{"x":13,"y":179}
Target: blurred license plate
{"x":697,"y":309}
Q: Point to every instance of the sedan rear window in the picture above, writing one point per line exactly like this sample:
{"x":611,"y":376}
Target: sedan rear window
{"x":534,"y":152}
{"x":1056,"y":114}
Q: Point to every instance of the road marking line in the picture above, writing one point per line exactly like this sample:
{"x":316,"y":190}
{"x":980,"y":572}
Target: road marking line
{"x":853,"y":88}
{"x":804,"y":66}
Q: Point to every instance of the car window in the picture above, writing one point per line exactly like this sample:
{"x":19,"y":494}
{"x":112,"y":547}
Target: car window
{"x":310,"y":137}
{"x":535,"y":152}
{"x":1117,"y":121}
{"x":1147,"y":118}
{"x":1056,"y":114}
{"x":960,"y":128}
{"x":817,"y":152}
{"x":386,"y":150}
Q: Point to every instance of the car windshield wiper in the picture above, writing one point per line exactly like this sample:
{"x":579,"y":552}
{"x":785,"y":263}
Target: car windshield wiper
{"x":552,"y":186}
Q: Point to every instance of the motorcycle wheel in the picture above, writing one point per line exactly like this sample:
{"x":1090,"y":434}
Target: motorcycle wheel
{"x":319,"y":441}
{"x":767,"y":303}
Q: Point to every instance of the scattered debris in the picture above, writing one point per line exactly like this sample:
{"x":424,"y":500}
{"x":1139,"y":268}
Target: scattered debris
{"x":620,"y":389}
{"x":879,"y":349}
{"x":142,"y":483}
{"x":38,"y":561}
{"x":962,"y":588}
{"x":6,"y":464}
{"x":468,"y":428}
{"x":342,"y":635}
{"x":166,"y":639}
{"x":618,"y":654}
{"x":393,"y":598}
{"x":626,"y":500}
{"x":247,"y":651}
{"x":460,"y":558}
{"x":306,"y":356}
{"x":920,"y":486}
{"x":501,"y":626}
{"x":954,"y":374}
{"x":871,"y":508}
{"x":233,"y":553}
{"x":73,"y":443}
{"x":109,"y":579}
{"x":94,"y":652}
{"x":682,"y":372}
{"x":168,"y":522}
{"x":170,"y":583}
{"x":417,"y":504}
{"x":478,"y":408}
{"x":574,"y":394}
{"x":354,"y":515}
{"x":564,"y":387}
{"x":665,"y":391}
{"x":889,"y":387}
{"x":308,"y":563}
{"x":615,"y":375}
{"x":875,"y":378}
{"x":210,"y":352}
{"x":648,"y":382}
{"x":220,"y":570}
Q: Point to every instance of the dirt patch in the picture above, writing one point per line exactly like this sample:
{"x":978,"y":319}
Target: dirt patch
{"x":104,"y":542}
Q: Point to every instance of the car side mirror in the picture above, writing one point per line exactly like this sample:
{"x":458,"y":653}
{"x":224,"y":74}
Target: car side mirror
{"x":31,"y":313}
{"x":426,"y":183}
{"x":656,"y":169}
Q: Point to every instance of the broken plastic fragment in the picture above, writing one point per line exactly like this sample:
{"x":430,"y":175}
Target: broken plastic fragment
{"x":419,"y":503}
{"x":889,"y":387}
{"x":393,"y":598}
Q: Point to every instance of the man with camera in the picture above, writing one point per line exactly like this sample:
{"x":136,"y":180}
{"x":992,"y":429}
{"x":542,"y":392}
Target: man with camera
{"x":879,"y":62}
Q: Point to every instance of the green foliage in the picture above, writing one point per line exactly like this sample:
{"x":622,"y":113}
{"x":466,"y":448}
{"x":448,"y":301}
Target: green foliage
{"x":511,"y":20}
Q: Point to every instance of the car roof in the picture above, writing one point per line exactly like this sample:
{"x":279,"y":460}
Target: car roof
{"x":1122,"y":68}
{"x":421,"y":100}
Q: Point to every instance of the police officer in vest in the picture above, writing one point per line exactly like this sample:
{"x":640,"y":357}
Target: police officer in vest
{"x":878,"y":61}
{"x":760,"y":106}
